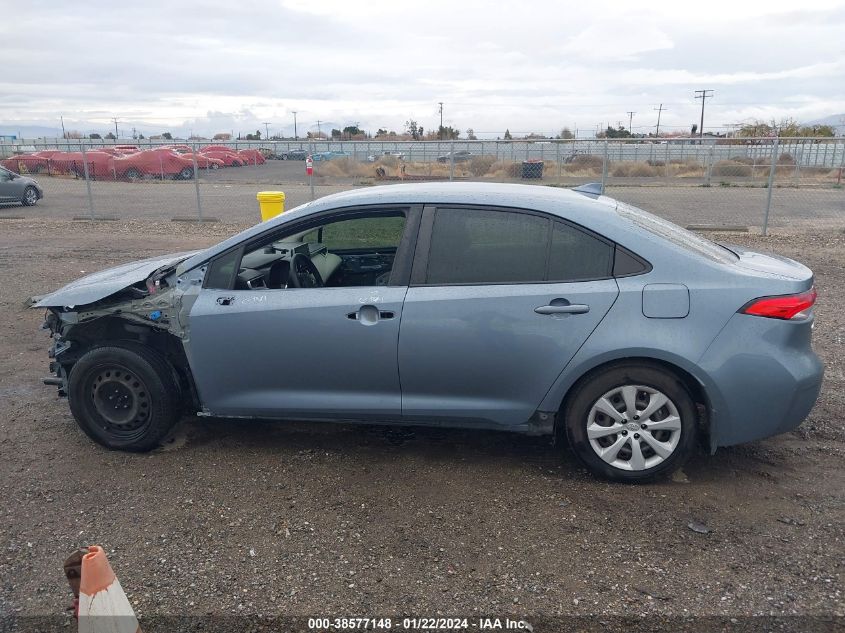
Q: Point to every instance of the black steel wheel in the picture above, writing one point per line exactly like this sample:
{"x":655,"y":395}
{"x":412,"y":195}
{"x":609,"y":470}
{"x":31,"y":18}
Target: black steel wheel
{"x":124,"y":397}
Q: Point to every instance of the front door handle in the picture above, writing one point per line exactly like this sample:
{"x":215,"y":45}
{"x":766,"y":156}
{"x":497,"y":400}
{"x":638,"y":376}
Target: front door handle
{"x":572,"y":308}
{"x":225,"y":301}
{"x":370,"y":315}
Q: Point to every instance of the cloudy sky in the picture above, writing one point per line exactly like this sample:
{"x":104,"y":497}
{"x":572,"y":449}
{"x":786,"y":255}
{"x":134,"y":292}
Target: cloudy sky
{"x":530,"y":66}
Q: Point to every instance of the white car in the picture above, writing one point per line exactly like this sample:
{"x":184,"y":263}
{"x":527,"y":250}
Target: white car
{"x":374,"y":157}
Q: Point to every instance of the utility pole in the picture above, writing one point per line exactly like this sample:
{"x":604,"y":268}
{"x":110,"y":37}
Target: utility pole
{"x":295,"y":137}
{"x":319,"y":132}
{"x":62,"y":119}
{"x":115,"y":128}
{"x":440,"y":135}
{"x":266,"y":129}
{"x":703,"y":95}
{"x":659,"y":112}
{"x":631,"y":122}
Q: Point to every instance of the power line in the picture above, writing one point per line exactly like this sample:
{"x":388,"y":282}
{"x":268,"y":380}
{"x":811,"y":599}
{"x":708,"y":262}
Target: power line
{"x":630,"y":119}
{"x":266,"y":129}
{"x":659,"y":112}
{"x":703,"y":95}
{"x":115,"y":128}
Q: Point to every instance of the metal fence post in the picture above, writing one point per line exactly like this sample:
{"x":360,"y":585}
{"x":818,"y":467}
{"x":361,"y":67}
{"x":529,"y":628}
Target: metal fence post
{"x":87,"y":180}
{"x":709,"y":167}
{"x":197,"y":180}
{"x":604,"y":167}
{"x":770,"y":186}
{"x":452,"y":160}
{"x":557,"y":160}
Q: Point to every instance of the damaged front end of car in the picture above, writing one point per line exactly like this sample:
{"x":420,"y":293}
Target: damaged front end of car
{"x":103,"y":309}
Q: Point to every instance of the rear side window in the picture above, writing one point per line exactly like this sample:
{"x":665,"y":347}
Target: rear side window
{"x":675,"y":234}
{"x":478,"y":246}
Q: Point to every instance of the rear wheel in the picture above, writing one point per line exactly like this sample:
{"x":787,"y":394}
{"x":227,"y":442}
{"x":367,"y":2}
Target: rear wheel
{"x":186,"y":173}
{"x":133,"y":173}
{"x":30,"y":197}
{"x":124,"y":397}
{"x":631,"y":423}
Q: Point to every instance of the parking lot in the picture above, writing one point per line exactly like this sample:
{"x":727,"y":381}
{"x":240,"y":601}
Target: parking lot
{"x":229,"y":196}
{"x":258,"y":518}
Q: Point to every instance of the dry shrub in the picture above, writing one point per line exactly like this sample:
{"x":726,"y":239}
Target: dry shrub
{"x":731,"y":169}
{"x":587,"y":162}
{"x":656,"y":163}
{"x":743,"y":160}
{"x":388,"y":161}
{"x":786,"y":159}
{"x":342,"y":168}
{"x":631,"y":169}
{"x":480,"y":165}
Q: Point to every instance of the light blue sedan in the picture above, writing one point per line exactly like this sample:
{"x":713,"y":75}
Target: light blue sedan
{"x":329,"y":155}
{"x":511,"y":307}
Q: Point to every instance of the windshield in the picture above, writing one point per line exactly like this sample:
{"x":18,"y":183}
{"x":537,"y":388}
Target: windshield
{"x":675,"y":234}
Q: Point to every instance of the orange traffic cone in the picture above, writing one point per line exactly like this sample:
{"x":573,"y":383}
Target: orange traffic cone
{"x":103,"y":607}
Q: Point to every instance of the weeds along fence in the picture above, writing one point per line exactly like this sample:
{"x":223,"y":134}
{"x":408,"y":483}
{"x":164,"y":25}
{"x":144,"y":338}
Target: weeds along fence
{"x":690,"y":180}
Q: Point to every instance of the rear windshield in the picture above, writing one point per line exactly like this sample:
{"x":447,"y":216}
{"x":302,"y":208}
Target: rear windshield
{"x":675,"y":234}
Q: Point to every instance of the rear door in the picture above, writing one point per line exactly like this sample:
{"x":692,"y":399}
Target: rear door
{"x":500,"y":301}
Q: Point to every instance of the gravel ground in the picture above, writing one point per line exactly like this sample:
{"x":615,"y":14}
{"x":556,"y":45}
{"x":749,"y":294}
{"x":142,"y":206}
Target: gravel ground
{"x":309,"y":519}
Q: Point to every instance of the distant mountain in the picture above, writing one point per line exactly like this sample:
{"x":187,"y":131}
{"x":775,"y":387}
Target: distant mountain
{"x":30,"y":131}
{"x":836,"y":120}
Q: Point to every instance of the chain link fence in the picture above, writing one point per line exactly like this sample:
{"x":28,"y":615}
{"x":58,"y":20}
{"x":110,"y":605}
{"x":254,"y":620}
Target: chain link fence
{"x":693,"y":181}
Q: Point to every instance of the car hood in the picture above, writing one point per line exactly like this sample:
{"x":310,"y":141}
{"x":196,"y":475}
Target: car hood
{"x":100,"y":285}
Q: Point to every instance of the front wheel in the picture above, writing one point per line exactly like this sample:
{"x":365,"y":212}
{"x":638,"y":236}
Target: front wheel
{"x":186,"y":173}
{"x":631,"y":423}
{"x":124,"y":397}
{"x":30,"y":197}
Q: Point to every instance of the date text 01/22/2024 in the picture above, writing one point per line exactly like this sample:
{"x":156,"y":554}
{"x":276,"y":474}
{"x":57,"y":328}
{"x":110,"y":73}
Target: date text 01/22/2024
{"x":421,"y":623}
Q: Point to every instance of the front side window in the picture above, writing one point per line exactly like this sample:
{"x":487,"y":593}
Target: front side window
{"x":357,"y":250}
{"x":481,"y":246}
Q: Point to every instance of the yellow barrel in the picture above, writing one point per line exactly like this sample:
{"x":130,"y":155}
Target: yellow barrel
{"x":272,"y":203}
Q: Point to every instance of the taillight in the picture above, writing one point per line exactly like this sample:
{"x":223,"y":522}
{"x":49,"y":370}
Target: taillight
{"x":782,"y":307}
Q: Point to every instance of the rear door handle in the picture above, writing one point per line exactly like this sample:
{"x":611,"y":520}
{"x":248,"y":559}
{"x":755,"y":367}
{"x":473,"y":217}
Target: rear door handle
{"x":574,"y":308}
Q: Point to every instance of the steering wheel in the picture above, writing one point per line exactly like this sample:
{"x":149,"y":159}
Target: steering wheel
{"x":303,"y":272}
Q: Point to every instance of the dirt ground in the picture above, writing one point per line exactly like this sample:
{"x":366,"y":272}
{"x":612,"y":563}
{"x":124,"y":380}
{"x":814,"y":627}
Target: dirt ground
{"x":318,"y":520}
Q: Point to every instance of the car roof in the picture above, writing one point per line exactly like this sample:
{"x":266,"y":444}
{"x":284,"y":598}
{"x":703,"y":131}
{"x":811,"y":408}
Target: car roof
{"x":597,"y":214}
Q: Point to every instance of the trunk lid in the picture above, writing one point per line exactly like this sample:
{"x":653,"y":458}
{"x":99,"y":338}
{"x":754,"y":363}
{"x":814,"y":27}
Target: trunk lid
{"x":768,"y":265}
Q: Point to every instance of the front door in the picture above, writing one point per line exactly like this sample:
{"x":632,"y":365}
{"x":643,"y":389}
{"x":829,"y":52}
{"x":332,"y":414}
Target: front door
{"x":505,"y":301}
{"x":267,"y":349}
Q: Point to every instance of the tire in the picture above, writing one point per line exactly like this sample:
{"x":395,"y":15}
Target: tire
{"x":30,"y":197}
{"x":213,"y":166}
{"x":186,"y":173}
{"x":639,"y":451}
{"x":133,"y":173}
{"x":130,"y":375}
